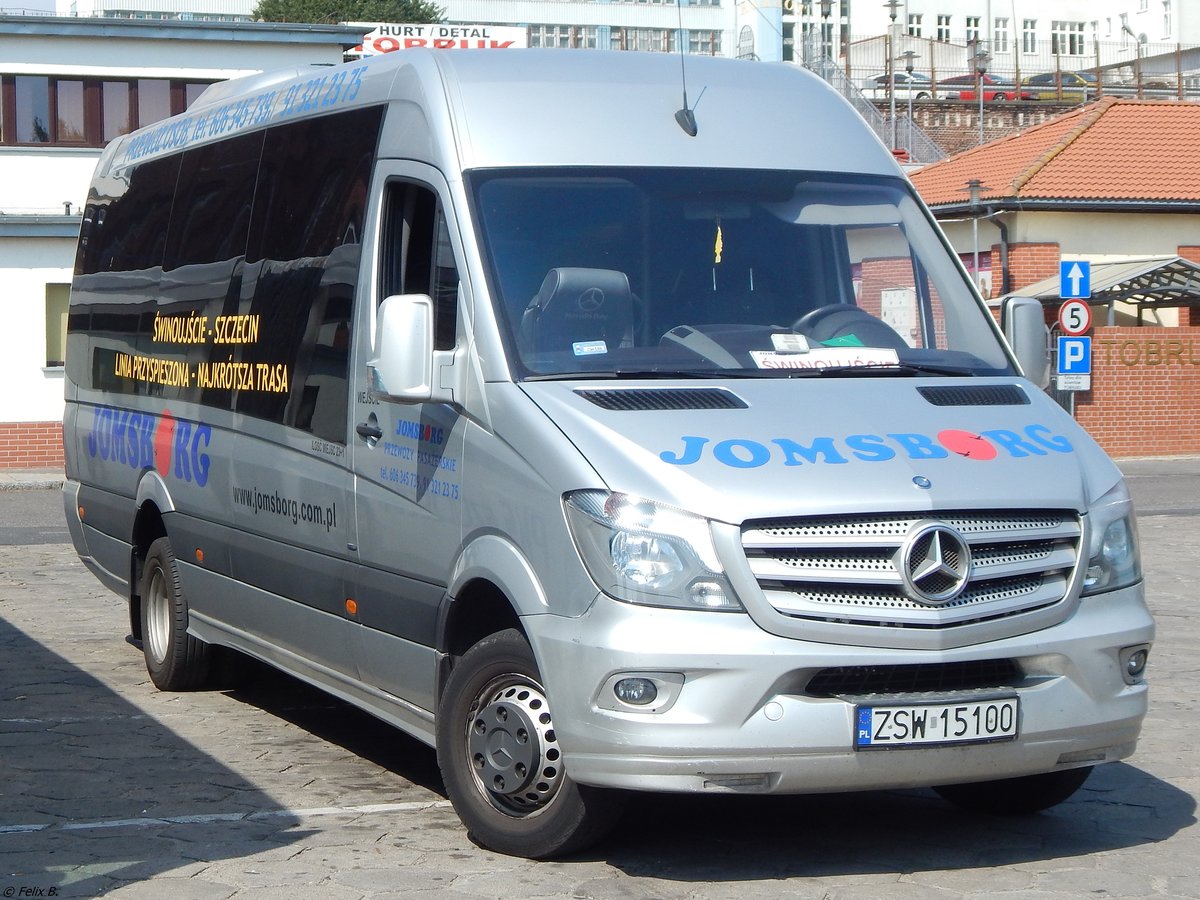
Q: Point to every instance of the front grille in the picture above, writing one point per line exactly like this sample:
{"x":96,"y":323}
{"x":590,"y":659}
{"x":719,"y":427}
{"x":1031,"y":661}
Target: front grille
{"x":914,"y":679}
{"x":849,"y":569}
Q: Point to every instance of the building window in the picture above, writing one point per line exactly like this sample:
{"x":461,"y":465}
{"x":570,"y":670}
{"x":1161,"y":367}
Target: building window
{"x":745,"y":43}
{"x":943,"y":28}
{"x":88,"y":112}
{"x":572,"y":36}
{"x":116,"y":115}
{"x":914,"y":24}
{"x":153,"y":100}
{"x":1168,"y":25}
{"x":705,"y":43}
{"x":1000,"y":35}
{"x":68,"y":111}
{"x":1066,"y":38}
{"x":32,"y":109}
{"x":660,"y":40}
{"x":973,"y":29}
{"x":57,"y":296}
{"x":1029,"y":36}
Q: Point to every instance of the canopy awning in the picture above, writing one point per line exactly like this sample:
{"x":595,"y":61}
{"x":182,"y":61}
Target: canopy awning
{"x":1154,"y":282}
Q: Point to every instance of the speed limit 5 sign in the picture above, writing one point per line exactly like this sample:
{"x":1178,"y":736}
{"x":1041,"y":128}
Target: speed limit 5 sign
{"x":1075,"y":317}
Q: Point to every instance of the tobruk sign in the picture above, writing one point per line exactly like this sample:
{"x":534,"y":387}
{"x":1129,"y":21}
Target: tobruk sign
{"x":386,"y":37}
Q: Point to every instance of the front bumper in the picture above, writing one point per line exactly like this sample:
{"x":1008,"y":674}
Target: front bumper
{"x":741,"y":720}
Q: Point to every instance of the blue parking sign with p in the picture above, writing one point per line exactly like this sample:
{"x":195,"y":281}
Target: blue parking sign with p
{"x":1074,"y":355}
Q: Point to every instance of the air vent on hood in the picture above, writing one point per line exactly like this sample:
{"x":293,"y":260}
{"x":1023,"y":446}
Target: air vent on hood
{"x":664,"y":398}
{"x":976,"y":395}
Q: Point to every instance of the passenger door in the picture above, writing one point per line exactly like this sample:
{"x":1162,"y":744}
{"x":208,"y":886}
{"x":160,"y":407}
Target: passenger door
{"x":407,"y":458}
{"x":292,"y":484}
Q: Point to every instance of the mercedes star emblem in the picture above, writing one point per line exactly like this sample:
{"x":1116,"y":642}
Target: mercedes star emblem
{"x":934,"y":563}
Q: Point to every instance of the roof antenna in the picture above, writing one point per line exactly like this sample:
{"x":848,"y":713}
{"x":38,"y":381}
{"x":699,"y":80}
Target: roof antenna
{"x":685,"y":116}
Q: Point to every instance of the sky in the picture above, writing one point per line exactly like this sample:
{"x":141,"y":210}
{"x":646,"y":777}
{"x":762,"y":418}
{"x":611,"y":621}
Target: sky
{"x":26,"y":6}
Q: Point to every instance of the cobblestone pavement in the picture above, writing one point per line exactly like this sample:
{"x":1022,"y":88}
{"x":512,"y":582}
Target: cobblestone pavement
{"x":109,"y":787}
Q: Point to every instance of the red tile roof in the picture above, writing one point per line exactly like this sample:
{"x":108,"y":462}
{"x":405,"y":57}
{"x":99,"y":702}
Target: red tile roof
{"x":1112,"y":150}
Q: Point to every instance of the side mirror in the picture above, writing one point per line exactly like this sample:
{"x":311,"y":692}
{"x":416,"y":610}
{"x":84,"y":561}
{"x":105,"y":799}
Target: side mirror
{"x":1024,"y":324}
{"x":401,"y":367}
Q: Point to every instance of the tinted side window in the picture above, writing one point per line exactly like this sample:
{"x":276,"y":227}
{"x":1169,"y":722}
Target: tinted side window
{"x":418,"y":257}
{"x":117,"y":270}
{"x":236,"y":293}
{"x":302,"y":268}
{"x":212,"y":207}
{"x":126,"y":230}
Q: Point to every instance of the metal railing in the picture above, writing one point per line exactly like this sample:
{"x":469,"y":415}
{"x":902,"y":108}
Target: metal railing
{"x":899,"y":133}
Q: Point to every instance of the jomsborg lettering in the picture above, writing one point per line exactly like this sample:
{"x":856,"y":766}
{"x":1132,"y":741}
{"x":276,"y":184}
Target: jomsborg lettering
{"x":745,"y":453}
{"x":173,"y":447}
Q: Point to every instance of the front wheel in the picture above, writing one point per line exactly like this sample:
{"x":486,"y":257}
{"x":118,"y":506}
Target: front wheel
{"x":1016,"y":796}
{"x":175,"y":660}
{"x":501,"y":762}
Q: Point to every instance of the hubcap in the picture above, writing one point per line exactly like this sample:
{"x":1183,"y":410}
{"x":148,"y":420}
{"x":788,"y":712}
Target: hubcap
{"x":511,"y":746}
{"x":158,"y":617}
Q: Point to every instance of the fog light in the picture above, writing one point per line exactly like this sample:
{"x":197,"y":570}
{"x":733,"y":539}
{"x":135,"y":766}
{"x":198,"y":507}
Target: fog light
{"x":636,"y":691}
{"x":1133,"y":663}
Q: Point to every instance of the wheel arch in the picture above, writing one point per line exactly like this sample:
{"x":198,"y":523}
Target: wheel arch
{"x":153,"y":500}
{"x":492,"y":586}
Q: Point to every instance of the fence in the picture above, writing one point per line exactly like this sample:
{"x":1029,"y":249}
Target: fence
{"x":1123,"y":68}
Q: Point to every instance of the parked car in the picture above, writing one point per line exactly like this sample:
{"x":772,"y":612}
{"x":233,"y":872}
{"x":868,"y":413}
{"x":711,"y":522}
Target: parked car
{"x":1071,"y":86}
{"x":995,"y":88}
{"x":920,"y":86}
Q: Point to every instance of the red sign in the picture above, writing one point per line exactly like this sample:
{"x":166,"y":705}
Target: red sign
{"x":1075,"y":317}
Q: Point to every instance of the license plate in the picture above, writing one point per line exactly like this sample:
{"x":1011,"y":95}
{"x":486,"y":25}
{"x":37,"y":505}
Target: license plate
{"x":935,"y":724}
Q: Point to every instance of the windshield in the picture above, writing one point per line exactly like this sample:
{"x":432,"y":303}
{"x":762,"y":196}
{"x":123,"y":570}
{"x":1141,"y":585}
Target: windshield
{"x":703,"y":272}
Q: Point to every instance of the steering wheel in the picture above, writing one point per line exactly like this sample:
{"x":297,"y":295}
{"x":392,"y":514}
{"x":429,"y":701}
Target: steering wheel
{"x":838,"y":319}
{"x":811,"y":319}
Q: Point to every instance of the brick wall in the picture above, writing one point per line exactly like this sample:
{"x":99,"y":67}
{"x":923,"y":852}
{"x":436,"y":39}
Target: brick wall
{"x":1029,"y":263}
{"x":1145,"y":396}
{"x":31,"y":445}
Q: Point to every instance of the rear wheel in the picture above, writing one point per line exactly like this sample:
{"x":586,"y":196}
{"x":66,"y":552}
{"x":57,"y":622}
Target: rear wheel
{"x":175,"y":660}
{"x":501,"y":762}
{"x":1016,"y":796}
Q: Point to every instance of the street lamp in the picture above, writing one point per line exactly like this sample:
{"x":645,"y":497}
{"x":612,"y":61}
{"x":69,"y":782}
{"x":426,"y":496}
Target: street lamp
{"x":826,"y":28}
{"x":892,"y":6}
{"x":981,"y":59}
{"x":908,"y":56}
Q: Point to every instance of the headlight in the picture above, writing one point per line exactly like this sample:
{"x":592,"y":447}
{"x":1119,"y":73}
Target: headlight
{"x":1113,"y":557}
{"x":644,"y":552}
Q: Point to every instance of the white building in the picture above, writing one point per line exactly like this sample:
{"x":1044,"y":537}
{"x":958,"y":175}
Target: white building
{"x":67,"y":86}
{"x":773,"y":29}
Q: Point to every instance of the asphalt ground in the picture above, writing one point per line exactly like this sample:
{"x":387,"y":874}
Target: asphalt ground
{"x":109,"y":787}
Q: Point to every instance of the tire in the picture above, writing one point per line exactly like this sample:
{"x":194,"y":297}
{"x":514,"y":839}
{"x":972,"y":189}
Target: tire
{"x":501,"y":763}
{"x":175,"y":660}
{"x":1016,"y":796}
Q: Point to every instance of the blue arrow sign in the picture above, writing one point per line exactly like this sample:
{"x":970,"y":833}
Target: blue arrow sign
{"x":1074,"y":280}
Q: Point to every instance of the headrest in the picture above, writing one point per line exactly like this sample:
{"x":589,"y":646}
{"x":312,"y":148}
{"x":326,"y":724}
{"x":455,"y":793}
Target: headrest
{"x":576,"y":310}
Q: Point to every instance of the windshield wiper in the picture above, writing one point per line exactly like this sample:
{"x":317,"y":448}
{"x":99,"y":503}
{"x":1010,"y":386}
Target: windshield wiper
{"x":612,"y":374}
{"x":900,"y":370}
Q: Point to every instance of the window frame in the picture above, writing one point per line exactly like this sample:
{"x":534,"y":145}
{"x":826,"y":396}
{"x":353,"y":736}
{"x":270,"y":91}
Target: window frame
{"x":93,"y":106}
